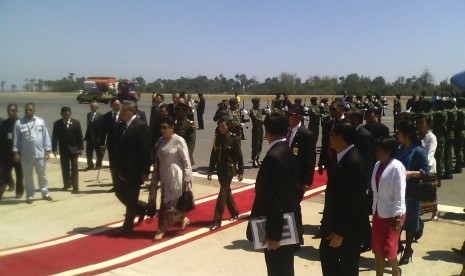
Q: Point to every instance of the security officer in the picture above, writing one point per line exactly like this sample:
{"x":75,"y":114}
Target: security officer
{"x":439,"y":127}
{"x":315,"y":117}
{"x":459,"y":135}
{"x":185,"y":128}
{"x":226,"y":157}
{"x":451,"y":121}
{"x":235,"y":114}
{"x":32,"y":145}
{"x":256,"y":116}
{"x":397,"y":108}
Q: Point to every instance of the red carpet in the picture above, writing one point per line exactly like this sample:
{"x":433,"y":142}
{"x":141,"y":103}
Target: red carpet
{"x":107,"y":245}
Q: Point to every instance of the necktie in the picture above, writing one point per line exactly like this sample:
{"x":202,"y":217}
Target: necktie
{"x":92,"y":119}
{"x":288,"y":137}
{"x":114,"y":117}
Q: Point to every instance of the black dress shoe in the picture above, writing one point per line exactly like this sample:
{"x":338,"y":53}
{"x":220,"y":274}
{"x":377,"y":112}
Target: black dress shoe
{"x":233,"y":217}
{"x":447,"y":176}
{"x":47,"y":197}
{"x":65,"y":188}
{"x":254,"y":164}
{"x":141,"y":218}
{"x":112,"y":190}
{"x":30,"y":201}
{"x":125,"y":230}
{"x":215,"y":226}
{"x":74,"y":191}
{"x":18,"y":196}
{"x":458,"y":170}
{"x":89,"y":168}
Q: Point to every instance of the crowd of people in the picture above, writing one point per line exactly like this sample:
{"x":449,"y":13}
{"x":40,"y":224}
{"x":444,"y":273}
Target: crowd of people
{"x":427,"y":137}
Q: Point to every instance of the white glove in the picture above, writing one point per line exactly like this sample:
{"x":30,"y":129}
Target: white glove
{"x":267,"y":111}
{"x":285,"y":108}
{"x":244,"y":112}
{"x":305,"y":108}
{"x":306,"y":118}
{"x":242,"y":125}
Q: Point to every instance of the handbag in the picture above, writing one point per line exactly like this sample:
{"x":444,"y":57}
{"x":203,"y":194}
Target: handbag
{"x":426,"y":189}
{"x":186,"y":202}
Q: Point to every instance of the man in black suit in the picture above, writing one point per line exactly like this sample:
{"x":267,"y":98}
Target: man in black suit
{"x":110,"y":121}
{"x":7,"y":163}
{"x":327,"y":153}
{"x":93,"y":135}
{"x":275,"y":195}
{"x":133,"y":160}
{"x":303,"y":145}
{"x":364,"y":143}
{"x":200,"y":110}
{"x":344,"y":213}
{"x":157,"y":102}
{"x":377,"y":129}
{"x":67,"y":133}
{"x":141,"y":115}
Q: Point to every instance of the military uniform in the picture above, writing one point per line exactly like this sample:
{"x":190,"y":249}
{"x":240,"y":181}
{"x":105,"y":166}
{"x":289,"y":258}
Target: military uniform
{"x":459,"y":135}
{"x":226,"y":157}
{"x":451,"y":121}
{"x":187,"y":130}
{"x":256,"y":116}
{"x":235,"y":126}
{"x":315,"y":118}
{"x":397,"y":108}
{"x":439,"y":127}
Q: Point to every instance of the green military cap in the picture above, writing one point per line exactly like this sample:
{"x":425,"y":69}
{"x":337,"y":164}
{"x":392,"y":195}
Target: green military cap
{"x":440,"y":103}
{"x":255,"y":100}
{"x":313,"y":99}
{"x":225,"y":118}
{"x":278,"y":101}
{"x":296,"y":109}
{"x":233,"y":101}
{"x":324,"y":100}
{"x":181,"y":106}
{"x":461,"y":101}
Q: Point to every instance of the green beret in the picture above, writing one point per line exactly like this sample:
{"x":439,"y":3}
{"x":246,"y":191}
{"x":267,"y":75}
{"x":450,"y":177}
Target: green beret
{"x":181,"y":106}
{"x":233,"y":101}
{"x":224,"y":118}
{"x":255,"y":100}
{"x":313,"y":99}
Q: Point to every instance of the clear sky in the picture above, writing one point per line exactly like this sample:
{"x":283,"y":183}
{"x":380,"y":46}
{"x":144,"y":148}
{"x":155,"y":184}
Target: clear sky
{"x":168,"y":39}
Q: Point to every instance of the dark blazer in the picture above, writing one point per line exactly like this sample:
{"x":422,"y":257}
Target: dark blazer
{"x":141,"y":115}
{"x":69,"y":140}
{"x":133,"y":158}
{"x":327,"y":154}
{"x":201,"y":105}
{"x":275,"y":189}
{"x":303,"y":147}
{"x":108,"y":130}
{"x":364,"y":143}
{"x":378,"y":130}
{"x":6,"y":141}
{"x":94,"y":128}
{"x":344,"y":212}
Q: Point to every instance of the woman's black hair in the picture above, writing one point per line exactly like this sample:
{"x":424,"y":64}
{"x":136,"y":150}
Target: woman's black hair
{"x":388,"y":144}
{"x":409,"y":130}
{"x":168,"y":121}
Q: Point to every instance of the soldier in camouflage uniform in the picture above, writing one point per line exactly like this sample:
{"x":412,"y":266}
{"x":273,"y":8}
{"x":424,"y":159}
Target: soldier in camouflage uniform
{"x":439,"y":127}
{"x":397,"y":108}
{"x":324,"y":111}
{"x":315,"y":117}
{"x":278,"y":107}
{"x":369,"y":105}
{"x":459,"y":135}
{"x":226,"y":157}
{"x":185,"y":128}
{"x":359,"y":102}
{"x":378,"y":106}
{"x":451,"y":121}
{"x":256,"y":116}
{"x":235,"y":114}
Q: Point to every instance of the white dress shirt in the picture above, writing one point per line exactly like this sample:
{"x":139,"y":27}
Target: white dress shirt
{"x":341,"y":154}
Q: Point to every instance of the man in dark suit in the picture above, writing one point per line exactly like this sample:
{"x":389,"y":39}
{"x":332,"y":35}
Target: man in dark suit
{"x":67,"y":133}
{"x":275,"y":195}
{"x":327,"y":153}
{"x":133,"y":160}
{"x":377,"y":129}
{"x":157,"y":102}
{"x":93,"y":135}
{"x":110,"y":121}
{"x":200,"y":110}
{"x":364,"y":143}
{"x":344,"y":213}
{"x":7,"y":163}
{"x":303,"y":145}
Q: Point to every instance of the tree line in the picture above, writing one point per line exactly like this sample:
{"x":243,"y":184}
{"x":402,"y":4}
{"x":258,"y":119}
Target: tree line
{"x":353,"y":84}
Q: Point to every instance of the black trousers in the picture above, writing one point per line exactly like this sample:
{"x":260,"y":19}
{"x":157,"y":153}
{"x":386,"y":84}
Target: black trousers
{"x":200,"y":119}
{"x":280,"y":262}
{"x":5,"y":176}
{"x":341,"y":261}
{"x":128,"y":193}
{"x":224,"y":197}
{"x":69,"y":170}
{"x":90,"y":148}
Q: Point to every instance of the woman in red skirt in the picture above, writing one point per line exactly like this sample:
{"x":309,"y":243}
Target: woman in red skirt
{"x":388,"y":183}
